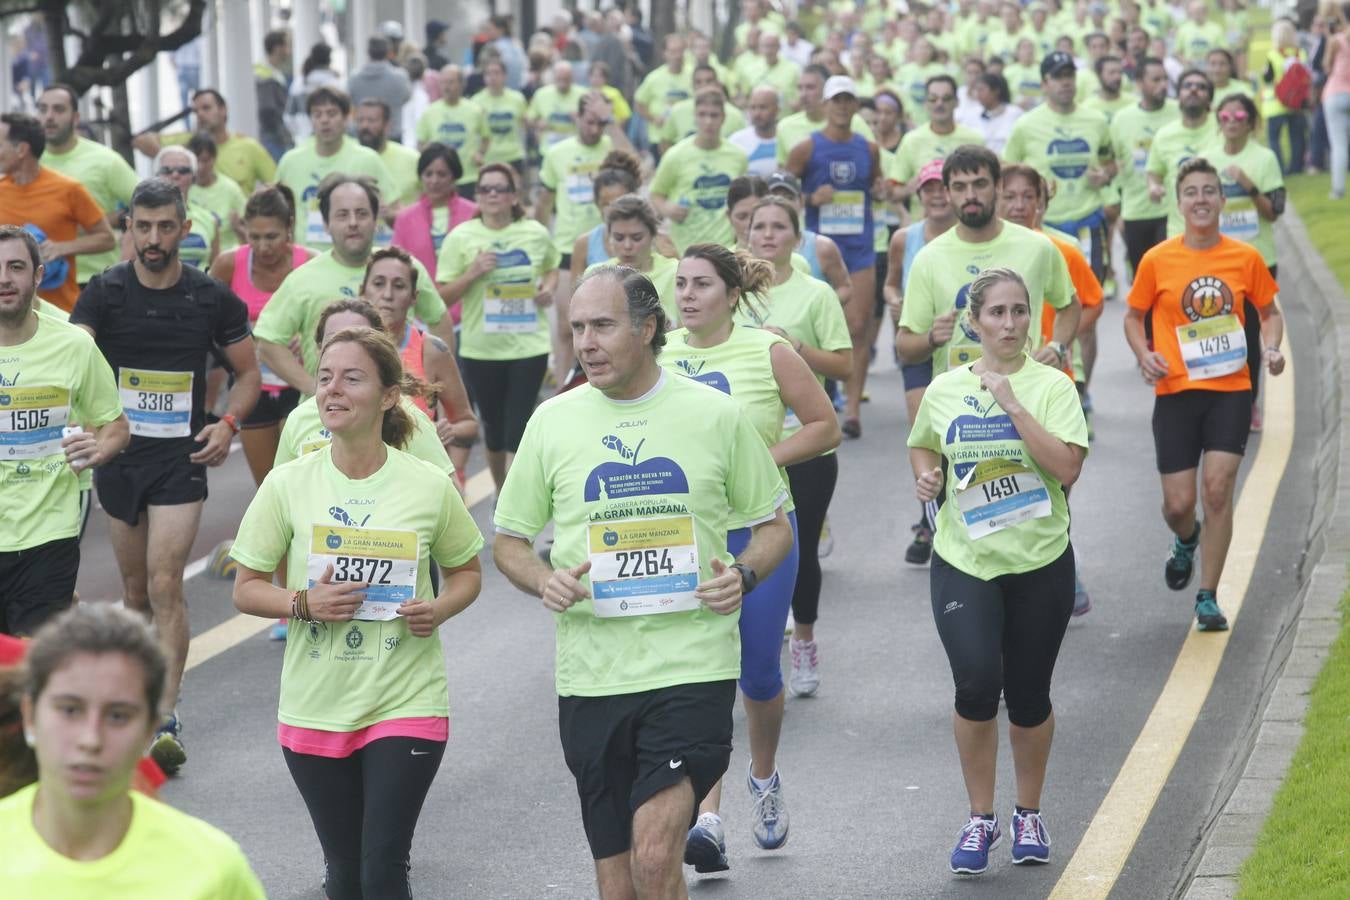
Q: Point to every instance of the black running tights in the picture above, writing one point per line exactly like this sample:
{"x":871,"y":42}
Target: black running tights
{"x":812,"y":483}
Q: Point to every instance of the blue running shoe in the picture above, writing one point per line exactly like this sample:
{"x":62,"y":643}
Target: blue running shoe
{"x":770,"y":814}
{"x":705,"y":848}
{"x":978,"y":837}
{"x":1031,"y":842}
{"x":166,"y":749}
{"x":1180,"y":565}
{"x":1208,"y":616}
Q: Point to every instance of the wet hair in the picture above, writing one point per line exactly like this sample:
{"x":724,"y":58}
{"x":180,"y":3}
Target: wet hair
{"x":640,"y":294}
{"x":969,"y":159}
{"x":738,"y":270}
{"x":397,"y":426}
{"x":633,"y":206}
{"x":618,"y":167}
{"x":743,"y":186}
{"x":337,"y":180}
{"x":782,"y":203}
{"x":998,"y":84}
{"x":1253,"y":115}
{"x":16,"y":233}
{"x":96,"y":629}
{"x":436,"y":150}
{"x":327,"y":95}
{"x":397,"y":253}
{"x":979,"y":288}
{"x":1191,"y":166}
{"x":1033,"y":177}
{"x":352,"y":305}
{"x":26,"y":129}
{"x":274,"y":201}
{"x":511,"y":175}
{"x":157,"y":193}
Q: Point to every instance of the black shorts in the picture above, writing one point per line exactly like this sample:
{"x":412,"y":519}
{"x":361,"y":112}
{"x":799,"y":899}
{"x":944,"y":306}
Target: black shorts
{"x":879,"y":300}
{"x":625,"y":749}
{"x":1189,"y":423}
{"x":125,"y":489}
{"x":36,"y":584}
{"x":272,"y":408}
{"x":565,"y":264}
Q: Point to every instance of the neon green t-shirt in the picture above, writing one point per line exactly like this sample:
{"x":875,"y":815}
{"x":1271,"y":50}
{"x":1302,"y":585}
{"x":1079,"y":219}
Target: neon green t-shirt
{"x":503,"y":125}
{"x":921,"y":145}
{"x":680,"y":123}
{"x":56,"y":378}
{"x":782,"y":77}
{"x":557,"y":111}
{"x":1194,"y":41}
{"x":942,"y":271}
{"x":1173,"y":145}
{"x":299,"y":302}
{"x":226,"y":199}
{"x":634,"y":474}
{"x":302,"y":169}
{"x":345,"y":676}
{"x":699,"y":179}
{"x":401,"y":162}
{"x":740,"y":367}
{"x":1063,"y":147}
{"x":162,"y":847}
{"x":806,"y":309}
{"x":662,"y":275}
{"x":459,"y":127}
{"x":1239,"y":219}
{"x":912,"y":78}
{"x":1132,"y":133}
{"x":662,"y":89}
{"x":966,"y":425}
{"x":1110,"y":108}
{"x":568,"y":169}
{"x":1023,"y":82}
{"x":304,"y":433}
{"x":108,"y":179}
{"x":797,"y":128}
{"x":240,"y":157}
{"x":500,"y":319}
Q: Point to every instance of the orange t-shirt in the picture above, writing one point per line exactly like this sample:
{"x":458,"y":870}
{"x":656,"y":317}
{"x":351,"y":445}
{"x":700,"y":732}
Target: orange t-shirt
{"x":1085,"y":285}
{"x":58,"y":205}
{"x":1187,"y":288}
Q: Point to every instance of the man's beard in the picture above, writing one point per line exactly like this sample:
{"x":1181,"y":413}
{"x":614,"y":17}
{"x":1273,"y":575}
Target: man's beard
{"x":369,"y":139}
{"x":977,"y":219}
{"x":160,"y":264}
{"x":10,"y":318}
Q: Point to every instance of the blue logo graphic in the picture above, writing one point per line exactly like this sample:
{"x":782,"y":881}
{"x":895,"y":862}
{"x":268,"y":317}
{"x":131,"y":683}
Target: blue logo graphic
{"x":4,"y":400}
{"x":711,"y":379}
{"x":1077,"y":154}
{"x":610,"y":538}
{"x":634,"y":476}
{"x":340,"y":514}
{"x":509,"y":258}
{"x":717,"y":185}
{"x":134,"y":380}
{"x":334,"y":541}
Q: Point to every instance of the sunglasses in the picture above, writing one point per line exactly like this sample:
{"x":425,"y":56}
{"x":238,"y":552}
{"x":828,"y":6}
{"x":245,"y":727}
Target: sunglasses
{"x":496,"y":189}
{"x":1235,"y":115}
{"x":175,"y":170}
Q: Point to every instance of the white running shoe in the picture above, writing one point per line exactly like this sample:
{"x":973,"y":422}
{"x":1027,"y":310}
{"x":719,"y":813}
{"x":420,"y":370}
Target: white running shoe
{"x":705,"y":847}
{"x":805,"y":676}
{"x":769,"y":815}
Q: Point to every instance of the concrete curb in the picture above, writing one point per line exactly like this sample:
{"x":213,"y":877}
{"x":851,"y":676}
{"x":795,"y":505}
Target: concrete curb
{"x":1231,"y":835}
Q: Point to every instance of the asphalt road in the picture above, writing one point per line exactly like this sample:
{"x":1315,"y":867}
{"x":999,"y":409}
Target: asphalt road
{"x":869,"y":767}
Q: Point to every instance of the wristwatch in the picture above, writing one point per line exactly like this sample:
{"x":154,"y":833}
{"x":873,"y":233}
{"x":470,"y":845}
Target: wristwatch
{"x":748,"y":577}
{"x":1060,"y":350}
{"x":231,"y":421}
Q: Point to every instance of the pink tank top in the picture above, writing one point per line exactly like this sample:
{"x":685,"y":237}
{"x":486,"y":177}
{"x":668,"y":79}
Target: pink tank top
{"x":1338,"y":79}
{"x":242,"y":281}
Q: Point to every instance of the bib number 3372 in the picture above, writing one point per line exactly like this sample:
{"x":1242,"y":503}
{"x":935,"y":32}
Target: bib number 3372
{"x":386,"y":560}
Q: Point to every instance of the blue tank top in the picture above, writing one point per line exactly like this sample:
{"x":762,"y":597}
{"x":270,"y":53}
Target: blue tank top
{"x":807,"y":248}
{"x":847,"y":218}
{"x":914,"y":241}
{"x":595,"y":246}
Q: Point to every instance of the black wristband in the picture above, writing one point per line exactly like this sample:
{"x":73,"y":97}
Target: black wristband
{"x":748,"y":577}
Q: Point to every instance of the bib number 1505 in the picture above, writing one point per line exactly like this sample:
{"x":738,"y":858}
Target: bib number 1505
{"x":644,"y":563}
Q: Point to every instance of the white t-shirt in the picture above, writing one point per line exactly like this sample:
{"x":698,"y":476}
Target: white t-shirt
{"x":763,"y":152}
{"x":995,"y":128}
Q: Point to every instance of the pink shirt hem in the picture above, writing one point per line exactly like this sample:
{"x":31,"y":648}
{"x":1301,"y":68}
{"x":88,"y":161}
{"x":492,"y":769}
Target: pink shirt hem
{"x":341,"y":744}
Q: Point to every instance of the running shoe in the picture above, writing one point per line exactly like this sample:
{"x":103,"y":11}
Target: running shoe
{"x":978,"y":837}
{"x":804,"y":678}
{"x":1031,"y":842}
{"x":278,"y":632}
{"x":769,"y":815}
{"x":826,"y":546}
{"x":1256,"y":417}
{"x":1180,"y":564}
{"x":1082,"y":605}
{"x":167,"y":747}
{"x":1208,"y":616}
{"x":920,"y":549}
{"x":705,"y":848}
{"x":852,"y":427}
{"x":222,"y":565}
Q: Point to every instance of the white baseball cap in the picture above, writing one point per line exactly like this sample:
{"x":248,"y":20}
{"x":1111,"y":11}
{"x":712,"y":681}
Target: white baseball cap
{"x":836,"y":85}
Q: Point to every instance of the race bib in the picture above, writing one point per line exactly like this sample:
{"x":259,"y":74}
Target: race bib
{"x":1242,"y":225}
{"x":315,"y":230}
{"x":1140,"y":158}
{"x":386,"y":559}
{"x":579,"y":188}
{"x":509,"y":308}
{"x":31,"y":419}
{"x":1213,"y":347}
{"x":843,"y":214}
{"x":998,"y":494}
{"x":643,"y":566}
{"x":157,"y":404}
{"x":963,"y":355}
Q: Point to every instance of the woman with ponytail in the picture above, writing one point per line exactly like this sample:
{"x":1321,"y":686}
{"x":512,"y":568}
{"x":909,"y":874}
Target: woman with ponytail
{"x":781,"y":397}
{"x":364,"y":707}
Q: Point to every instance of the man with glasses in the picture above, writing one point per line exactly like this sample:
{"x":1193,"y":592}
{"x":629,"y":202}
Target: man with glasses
{"x":935,"y":139}
{"x":1179,"y":141}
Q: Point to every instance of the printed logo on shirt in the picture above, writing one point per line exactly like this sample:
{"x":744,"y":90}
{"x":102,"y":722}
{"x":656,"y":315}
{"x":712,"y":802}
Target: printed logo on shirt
{"x":345,"y":518}
{"x":634,"y":476}
{"x":1069,"y":156}
{"x":355,"y":638}
{"x":9,"y":382}
{"x":981,"y":428}
{"x":712,"y":379}
{"x":710,"y":189}
{"x":843,"y":171}
{"x":500,"y":123}
{"x":1205,"y":297}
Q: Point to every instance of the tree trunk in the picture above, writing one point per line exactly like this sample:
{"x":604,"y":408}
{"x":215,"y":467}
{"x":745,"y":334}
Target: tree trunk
{"x":726,"y":39}
{"x":663,"y":23}
{"x":119,"y":125}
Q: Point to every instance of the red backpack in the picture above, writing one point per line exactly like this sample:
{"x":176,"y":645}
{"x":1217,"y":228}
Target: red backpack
{"x":1295,"y":85}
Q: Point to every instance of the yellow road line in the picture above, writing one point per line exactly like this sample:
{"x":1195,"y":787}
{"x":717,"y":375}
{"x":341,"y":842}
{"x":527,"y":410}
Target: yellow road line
{"x":236,"y":630}
{"x":1100,"y":856}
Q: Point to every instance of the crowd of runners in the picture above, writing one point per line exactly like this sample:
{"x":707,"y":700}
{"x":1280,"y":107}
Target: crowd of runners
{"x":652,"y":290}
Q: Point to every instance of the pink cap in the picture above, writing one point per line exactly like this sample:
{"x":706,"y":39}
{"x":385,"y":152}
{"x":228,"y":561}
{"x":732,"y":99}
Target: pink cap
{"x":932,"y":171}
